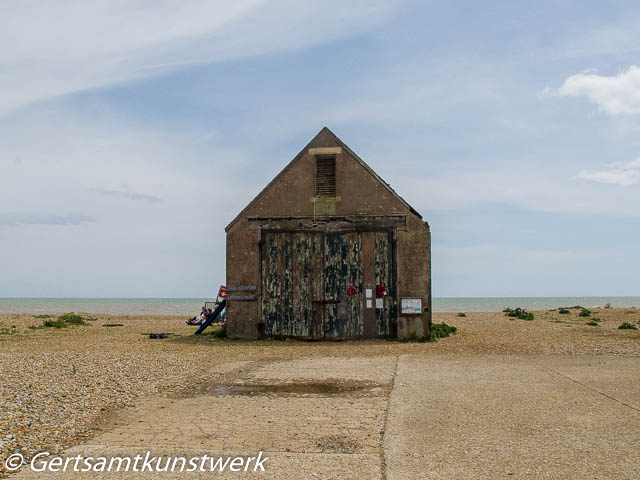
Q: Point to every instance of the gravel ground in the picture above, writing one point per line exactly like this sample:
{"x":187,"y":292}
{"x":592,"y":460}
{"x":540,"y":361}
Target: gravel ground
{"x":58,"y":383}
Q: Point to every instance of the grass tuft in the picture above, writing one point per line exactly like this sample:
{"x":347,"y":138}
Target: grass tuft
{"x":219,"y":331}
{"x":627,"y":326}
{"x":54,"y":324}
{"x":520,"y":313}
{"x":72,"y":319}
{"x":462,"y":314}
{"x":438,"y":330}
{"x":63,"y":321}
{"x":585,"y":312}
{"x":442,"y":330}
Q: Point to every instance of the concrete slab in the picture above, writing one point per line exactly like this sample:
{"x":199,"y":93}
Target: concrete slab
{"x":481,"y":417}
{"x":372,"y":369}
{"x":250,"y":424}
{"x":278,"y":465}
{"x":313,"y":418}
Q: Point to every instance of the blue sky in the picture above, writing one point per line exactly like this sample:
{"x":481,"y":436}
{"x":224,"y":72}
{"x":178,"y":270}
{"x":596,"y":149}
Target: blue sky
{"x":131,"y":133}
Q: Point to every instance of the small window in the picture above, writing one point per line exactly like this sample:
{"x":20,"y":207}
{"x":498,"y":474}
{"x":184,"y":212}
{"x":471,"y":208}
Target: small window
{"x":326,"y":176}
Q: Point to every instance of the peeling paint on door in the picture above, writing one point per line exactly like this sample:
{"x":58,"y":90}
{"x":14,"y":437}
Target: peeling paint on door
{"x":383,"y":259}
{"x":305,"y":277}
{"x":342,"y":267}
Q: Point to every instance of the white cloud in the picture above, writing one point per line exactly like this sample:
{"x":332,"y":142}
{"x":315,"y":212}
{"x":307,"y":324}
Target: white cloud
{"x":624,"y":174}
{"x":614,"y":95}
{"x":55,"y":48}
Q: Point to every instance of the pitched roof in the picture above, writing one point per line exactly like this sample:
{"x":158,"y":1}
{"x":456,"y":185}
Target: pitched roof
{"x":326,"y":130}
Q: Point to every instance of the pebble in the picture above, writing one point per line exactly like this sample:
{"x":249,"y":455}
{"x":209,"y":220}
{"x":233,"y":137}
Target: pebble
{"x":57,"y":383}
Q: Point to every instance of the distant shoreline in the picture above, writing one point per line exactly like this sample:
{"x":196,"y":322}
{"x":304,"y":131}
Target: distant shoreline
{"x":190,"y":306}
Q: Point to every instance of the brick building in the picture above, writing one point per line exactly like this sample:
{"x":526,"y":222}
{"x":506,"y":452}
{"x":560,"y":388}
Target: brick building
{"x":328,"y":250}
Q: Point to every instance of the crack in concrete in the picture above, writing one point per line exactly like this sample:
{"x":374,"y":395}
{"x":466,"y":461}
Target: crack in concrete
{"x":592,"y":388}
{"x":383,"y":460}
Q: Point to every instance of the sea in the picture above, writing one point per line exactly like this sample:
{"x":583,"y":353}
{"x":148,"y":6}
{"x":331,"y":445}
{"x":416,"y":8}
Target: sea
{"x":191,"y":306}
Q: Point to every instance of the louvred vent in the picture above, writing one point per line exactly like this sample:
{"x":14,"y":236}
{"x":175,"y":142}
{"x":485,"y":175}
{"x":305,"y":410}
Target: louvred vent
{"x":326,"y":176}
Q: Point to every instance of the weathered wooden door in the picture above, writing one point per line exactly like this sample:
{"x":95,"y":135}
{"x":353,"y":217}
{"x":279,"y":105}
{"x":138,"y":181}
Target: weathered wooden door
{"x":342,"y":267}
{"x":305,"y":285}
{"x":291,"y":280}
{"x":384,"y":267}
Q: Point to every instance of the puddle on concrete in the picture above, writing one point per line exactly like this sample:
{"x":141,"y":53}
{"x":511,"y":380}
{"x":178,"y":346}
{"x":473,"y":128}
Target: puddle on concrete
{"x":299,"y":388}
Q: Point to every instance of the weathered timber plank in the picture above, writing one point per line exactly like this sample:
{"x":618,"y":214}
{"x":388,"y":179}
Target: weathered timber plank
{"x":369,"y":283}
{"x":329,"y":223}
{"x":384,"y":277}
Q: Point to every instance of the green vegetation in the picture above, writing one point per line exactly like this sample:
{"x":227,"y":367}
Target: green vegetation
{"x":608,"y":305}
{"x":596,"y":319}
{"x":627,"y":326}
{"x":462,"y":314}
{"x":520,"y":313}
{"x":43,"y":316}
{"x":54,"y":324}
{"x":592,"y":324}
{"x":630,"y":312}
{"x":219,"y":331}
{"x":442,"y":330}
{"x":585,"y":312}
{"x":63,"y":321}
{"x":72,"y":319}
{"x":438,"y":330}
{"x":564,"y":311}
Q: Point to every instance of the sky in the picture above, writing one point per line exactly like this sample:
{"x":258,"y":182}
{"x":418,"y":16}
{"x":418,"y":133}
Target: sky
{"x":132,"y":133}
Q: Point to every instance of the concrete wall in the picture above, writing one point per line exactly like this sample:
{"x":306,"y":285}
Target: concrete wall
{"x":359,"y":192}
{"x":414,"y":275}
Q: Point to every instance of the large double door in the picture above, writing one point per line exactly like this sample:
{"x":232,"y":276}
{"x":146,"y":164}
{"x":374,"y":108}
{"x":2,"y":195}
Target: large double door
{"x":327,"y":285}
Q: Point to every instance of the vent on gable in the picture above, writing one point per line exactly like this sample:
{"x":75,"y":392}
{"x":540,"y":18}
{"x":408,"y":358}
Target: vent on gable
{"x":326,"y":176}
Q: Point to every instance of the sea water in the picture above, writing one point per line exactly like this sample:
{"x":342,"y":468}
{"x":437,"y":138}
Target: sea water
{"x":191,"y":306}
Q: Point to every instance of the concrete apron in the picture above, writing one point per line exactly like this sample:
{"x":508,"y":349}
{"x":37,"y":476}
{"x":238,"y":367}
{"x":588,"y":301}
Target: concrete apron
{"x":491,"y":417}
{"x":447,"y":417}
{"x":312,"y":418}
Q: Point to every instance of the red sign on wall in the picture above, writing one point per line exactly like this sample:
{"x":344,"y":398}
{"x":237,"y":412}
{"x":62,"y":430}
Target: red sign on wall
{"x":222,"y":293}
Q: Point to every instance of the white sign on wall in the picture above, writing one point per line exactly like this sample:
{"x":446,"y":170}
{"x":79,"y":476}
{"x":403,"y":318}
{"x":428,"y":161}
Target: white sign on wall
{"x":410,"y":306}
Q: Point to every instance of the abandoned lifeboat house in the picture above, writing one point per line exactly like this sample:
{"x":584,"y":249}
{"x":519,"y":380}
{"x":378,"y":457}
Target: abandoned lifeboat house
{"x":328,"y":251}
